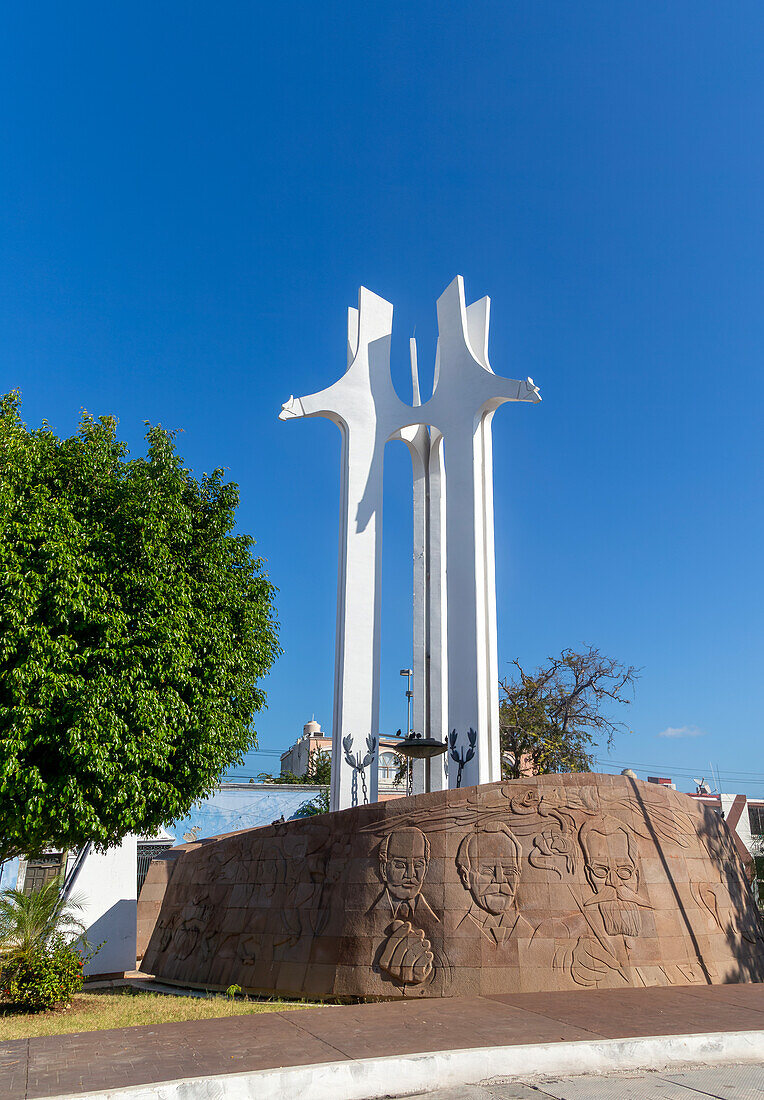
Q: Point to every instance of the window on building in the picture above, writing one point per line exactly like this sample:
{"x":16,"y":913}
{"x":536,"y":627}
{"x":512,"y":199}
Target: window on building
{"x":42,"y":870}
{"x":388,"y":768}
{"x":756,"y":819}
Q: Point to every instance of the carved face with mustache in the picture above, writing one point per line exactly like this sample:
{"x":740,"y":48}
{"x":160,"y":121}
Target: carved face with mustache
{"x":613,"y":876}
{"x":488,"y":861}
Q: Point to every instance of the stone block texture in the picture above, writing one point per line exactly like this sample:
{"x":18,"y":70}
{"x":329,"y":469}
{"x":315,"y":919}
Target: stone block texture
{"x":551,"y":883}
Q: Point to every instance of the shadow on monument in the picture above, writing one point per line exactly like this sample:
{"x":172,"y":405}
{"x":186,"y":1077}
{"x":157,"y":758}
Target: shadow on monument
{"x":562,"y":882}
{"x":742,"y":923}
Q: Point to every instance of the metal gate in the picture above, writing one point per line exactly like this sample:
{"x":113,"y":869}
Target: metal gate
{"x":147,"y":852}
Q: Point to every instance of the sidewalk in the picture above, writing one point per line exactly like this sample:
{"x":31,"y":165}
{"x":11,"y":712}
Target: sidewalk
{"x":346,"y":1050}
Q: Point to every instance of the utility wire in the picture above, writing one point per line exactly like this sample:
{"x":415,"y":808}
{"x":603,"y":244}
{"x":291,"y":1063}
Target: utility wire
{"x":680,"y":769}
{"x":732,"y":781}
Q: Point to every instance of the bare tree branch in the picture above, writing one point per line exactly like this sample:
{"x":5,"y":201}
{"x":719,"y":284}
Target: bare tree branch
{"x":552,"y":718}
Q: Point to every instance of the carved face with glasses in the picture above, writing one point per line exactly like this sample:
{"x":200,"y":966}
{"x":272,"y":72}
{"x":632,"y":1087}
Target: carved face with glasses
{"x":611,"y":871}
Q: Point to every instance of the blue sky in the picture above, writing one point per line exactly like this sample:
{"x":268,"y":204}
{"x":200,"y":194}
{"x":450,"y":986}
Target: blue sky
{"x":190,"y":196}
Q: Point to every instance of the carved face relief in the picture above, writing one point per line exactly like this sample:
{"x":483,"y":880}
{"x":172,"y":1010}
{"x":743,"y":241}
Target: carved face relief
{"x":608,"y":860}
{"x":612,"y":875}
{"x":489,"y":866}
{"x":403,"y":857}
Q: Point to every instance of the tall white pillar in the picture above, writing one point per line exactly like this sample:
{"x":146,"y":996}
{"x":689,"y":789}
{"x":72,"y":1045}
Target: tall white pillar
{"x":354,"y":403}
{"x":454,"y":607}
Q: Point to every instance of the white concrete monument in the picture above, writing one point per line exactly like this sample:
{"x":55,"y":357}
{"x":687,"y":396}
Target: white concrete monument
{"x":449,"y":437}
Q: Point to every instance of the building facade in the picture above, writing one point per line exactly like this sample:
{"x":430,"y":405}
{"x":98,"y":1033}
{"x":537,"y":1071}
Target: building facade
{"x":313,"y":740}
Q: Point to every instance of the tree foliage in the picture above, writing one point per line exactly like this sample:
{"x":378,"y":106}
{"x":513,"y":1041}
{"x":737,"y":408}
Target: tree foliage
{"x":318,"y":771}
{"x":317,"y":805}
{"x":551,"y":719}
{"x":45,"y":978}
{"x":29,"y":922}
{"x":134,"y":628}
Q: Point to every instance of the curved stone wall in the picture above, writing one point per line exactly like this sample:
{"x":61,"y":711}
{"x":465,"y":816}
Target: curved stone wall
{"x":560,"y":882}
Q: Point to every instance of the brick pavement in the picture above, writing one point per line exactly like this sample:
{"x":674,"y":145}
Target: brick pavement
{"x":89,"y":1061}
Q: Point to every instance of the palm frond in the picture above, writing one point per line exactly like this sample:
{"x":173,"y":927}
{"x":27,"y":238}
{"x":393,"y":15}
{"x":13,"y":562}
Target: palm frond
{"x":30,"y":921}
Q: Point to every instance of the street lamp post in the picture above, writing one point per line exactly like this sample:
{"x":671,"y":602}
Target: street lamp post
{"x":408,"y":673}
{"x":415,"y":746}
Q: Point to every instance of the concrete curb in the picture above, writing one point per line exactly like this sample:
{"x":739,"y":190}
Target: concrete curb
{"x":373,"y":1078}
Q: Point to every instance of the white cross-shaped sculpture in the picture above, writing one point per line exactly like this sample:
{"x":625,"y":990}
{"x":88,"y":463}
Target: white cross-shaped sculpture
{"x":455,"y":663}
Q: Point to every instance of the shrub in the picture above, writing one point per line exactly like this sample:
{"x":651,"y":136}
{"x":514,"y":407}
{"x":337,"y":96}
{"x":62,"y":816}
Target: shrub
{"x":31,"y":921}
{"x":42,"y":978}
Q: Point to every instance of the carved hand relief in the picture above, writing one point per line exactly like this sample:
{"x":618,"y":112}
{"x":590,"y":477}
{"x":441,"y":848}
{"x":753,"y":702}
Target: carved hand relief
{"x":570,"y":880}
{"x":589,"y":962}
{"x":406,"y":954}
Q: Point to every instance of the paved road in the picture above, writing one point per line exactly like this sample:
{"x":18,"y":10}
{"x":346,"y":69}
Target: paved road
{"x":701,"y":1083}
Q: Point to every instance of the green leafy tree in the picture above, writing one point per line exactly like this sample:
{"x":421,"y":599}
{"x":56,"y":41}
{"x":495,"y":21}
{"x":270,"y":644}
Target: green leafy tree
{"x":29,"y":922}
{"x":551,"y":719}
{"x":318,"y":771}
{"x":134,"y":628}
{"x":317,"y":805}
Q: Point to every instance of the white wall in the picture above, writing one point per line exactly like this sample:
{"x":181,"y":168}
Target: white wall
{"x":244,"y":806}
{"x":743,"y":826}
{"x":107,"y":883}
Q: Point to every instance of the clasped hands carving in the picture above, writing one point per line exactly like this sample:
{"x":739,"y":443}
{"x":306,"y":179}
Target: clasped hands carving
{"x":407,"y":956}
{"x":489,"y":861}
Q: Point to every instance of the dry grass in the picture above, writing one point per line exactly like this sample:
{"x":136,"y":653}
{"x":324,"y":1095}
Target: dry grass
{"x":128,"y":1008}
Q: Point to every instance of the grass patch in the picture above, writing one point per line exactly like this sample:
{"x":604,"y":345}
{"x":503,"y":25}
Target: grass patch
{"x":127,"y":1007}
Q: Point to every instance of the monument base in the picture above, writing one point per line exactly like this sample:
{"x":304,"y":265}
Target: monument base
{"x":557,"y":882}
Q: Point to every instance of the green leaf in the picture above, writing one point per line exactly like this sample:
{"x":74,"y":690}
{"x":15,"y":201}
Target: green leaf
{"x":135,"y":628}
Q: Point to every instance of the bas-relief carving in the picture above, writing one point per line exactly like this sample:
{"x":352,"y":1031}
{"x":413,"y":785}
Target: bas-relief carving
{"x":550,"y":846}
{"x":405,"y":955}
{"x":403,"y":858}
{"x":608,"y":916}
{"x":611,"y":871}
{"x":186,"y":928}
{"x":612,"y":913}
{"x":488,"y":862}
{"x":724,"y":898}
{"x":569,"y":880}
